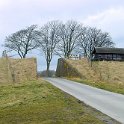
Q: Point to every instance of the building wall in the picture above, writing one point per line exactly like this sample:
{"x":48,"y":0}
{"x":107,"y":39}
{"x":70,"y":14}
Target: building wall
{"x":101,"y":56}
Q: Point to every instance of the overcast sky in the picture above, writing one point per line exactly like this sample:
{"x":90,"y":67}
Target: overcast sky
{"x":107,"y":15}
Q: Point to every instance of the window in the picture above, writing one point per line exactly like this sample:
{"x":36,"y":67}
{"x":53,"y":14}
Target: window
{"x":118,"y":57}
{"x":114,"y":56}
{"x":109,"y":56}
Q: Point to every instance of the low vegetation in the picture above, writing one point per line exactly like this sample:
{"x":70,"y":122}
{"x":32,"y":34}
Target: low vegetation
{"x":37,"y":102}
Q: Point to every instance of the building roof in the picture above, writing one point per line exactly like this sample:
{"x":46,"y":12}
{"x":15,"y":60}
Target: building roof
{"x":108,"y":50}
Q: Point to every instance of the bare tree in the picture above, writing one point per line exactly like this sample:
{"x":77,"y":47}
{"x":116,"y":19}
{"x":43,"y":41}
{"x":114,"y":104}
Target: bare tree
{"x":22,"y":41}
{"x":92,"y":37}
{"x":69,"y":34}
{"x":48,"y":39}
{"x":83,"y":41}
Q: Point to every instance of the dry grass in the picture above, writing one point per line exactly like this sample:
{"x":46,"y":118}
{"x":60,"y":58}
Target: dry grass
{"x":108,"y":75}
{"x":83,"y":67}
{"x":24,"y":69}
{"x":65,"y":69}
{"x":5,"y":76}
{"x":104,"y":71}
{"x":17,"y":70}
{"x":112,"y":72}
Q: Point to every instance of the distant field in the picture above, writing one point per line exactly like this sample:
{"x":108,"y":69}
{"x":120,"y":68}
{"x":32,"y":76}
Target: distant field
{"x":38,"y":102}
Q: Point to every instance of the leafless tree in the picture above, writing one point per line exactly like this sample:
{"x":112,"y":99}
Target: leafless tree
{"x":22,"y":41}
{"x":48,"y":39}
{"x":92,"y":37}
{"x":69,"y":34}
{"x":83,"y":41}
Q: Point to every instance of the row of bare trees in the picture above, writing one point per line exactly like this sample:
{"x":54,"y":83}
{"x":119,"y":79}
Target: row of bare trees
{"x":58,"y":38}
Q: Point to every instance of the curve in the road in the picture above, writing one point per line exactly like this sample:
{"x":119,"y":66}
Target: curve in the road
{"x":107,"y":102}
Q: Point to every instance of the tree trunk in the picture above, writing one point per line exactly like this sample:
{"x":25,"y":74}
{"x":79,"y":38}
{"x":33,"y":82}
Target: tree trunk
{"x":24,"y":56}
{"x":47,"y":71}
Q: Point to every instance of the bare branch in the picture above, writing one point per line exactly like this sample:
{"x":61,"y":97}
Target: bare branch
{"x":22,"y":41}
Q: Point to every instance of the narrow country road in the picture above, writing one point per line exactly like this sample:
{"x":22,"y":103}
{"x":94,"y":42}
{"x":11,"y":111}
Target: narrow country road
{"x":109,"y":103}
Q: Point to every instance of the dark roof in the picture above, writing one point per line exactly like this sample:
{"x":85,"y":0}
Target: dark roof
{"x":108,"y":50}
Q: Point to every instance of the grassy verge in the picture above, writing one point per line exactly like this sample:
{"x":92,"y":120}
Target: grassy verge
{"x":113,"y":87}
{"x":38,"y":102}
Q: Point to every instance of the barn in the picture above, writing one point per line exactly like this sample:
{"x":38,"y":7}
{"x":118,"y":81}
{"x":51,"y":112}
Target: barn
{"x":108,"y":54}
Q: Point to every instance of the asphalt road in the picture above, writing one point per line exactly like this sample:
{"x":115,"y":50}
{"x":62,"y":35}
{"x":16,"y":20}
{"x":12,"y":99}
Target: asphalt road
{"x":111,"y":104}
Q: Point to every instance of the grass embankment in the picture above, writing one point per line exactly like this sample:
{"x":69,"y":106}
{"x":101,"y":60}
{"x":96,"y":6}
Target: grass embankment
{"x":107,"y":75}
{"x":113,"y":87}
{"x":17,"y":70}
{"x":38,"y":102}
{"x":5,"y":75}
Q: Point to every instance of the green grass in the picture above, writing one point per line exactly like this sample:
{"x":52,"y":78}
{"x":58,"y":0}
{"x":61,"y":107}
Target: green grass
{"x":113,"y":87}
{"x":38,"y":102}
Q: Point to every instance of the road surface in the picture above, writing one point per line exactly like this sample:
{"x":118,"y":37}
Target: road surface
{"x":111,"y":104}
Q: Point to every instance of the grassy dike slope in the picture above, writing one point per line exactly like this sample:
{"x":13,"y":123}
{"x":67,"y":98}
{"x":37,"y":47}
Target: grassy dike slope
{"x":105,"y":75}
{"x":38,"y":102}
{"x":5,"y":75}
{"x":17,"y":70}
